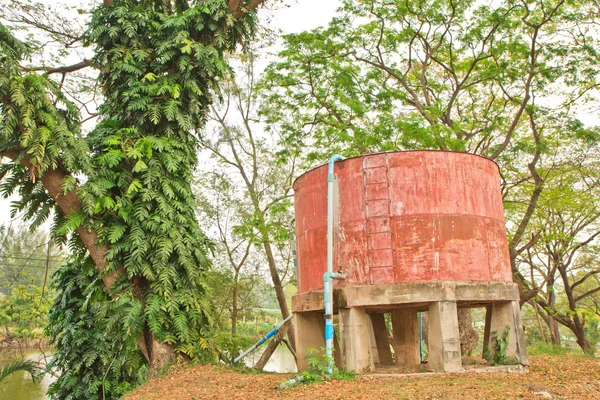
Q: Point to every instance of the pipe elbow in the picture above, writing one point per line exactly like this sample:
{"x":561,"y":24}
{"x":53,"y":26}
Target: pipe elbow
{"x":332,"y":160}
{"x":335,"y":157}
{"x":333,"y":275}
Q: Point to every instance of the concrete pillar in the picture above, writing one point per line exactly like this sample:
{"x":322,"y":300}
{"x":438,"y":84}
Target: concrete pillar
{"x":337,"y":356}
{"x":355,"y":340}
{"x":508,"y":314}
{"x":381,"y":345}
{"x":486,"y":330}
{"x":444,"y":338}
{"x":405,"y":324}
{"x":372,"y":341}
{"x":310,"y":334}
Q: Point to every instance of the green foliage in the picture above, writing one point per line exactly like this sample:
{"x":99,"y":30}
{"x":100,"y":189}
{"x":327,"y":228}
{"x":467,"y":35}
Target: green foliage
{"x":21,"y":365}
{"x":39,"y":128}
{"x":549,"y":349}
{"x":23,"y":255}
{"x":23,"y":314}
{"x":96,"y":358}
{"x":496,"y":352}
{"x":318,"y":363}
{"x":427,"y":74}
{"x":159,"y":63}
{"x":158,"y":70}
{"x":230,"y":346}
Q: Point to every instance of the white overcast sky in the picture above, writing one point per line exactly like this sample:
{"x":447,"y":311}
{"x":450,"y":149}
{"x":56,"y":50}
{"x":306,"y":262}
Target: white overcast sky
{"x":292,"y":17}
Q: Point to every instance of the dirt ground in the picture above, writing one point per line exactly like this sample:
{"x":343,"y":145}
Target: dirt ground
{"x":567,"y":377}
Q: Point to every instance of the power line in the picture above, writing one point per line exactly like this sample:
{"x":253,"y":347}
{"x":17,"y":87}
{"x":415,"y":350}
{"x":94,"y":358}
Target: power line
{"x":31,"y":258}
{"x":27,"y":266}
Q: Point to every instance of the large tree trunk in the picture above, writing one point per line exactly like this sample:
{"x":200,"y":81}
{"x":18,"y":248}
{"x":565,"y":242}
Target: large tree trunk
{"x":579,"y":332}
{"x":234,"y":305}
{"x":158,"y":355}
{"x":554,"y":332}
{"x":279,"y":291}
{"x":551,"y":322}
{"x":268,"y":353}
{"x":468,"y":334}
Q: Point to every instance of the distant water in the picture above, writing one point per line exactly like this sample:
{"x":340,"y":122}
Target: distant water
{"x":19,"y":386}
{"x":282,"y":361}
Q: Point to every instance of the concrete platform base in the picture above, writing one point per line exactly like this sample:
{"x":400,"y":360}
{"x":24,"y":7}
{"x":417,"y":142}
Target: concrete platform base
{"x":364,"y":336}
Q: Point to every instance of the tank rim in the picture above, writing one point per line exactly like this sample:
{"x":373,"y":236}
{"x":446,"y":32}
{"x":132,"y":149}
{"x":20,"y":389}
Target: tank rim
{"x":398,"y":151}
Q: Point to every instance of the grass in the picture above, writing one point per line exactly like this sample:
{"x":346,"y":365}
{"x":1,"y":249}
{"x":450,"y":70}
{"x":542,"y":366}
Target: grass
{"x":548,"y":349}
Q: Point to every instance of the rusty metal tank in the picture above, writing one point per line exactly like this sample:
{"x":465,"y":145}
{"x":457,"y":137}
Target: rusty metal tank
{"x":413,"y":216}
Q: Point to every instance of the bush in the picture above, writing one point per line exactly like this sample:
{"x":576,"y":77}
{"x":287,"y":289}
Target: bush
{"x":318,"y":362}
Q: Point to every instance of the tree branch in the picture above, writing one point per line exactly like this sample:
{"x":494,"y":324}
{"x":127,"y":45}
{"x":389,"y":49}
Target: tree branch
{"x":62,"y":70}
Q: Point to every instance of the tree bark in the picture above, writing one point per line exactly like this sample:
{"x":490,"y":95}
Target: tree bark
{"x":468,"y":335}
{"x":234,"y":305}
{"x":266,"y":355}
{"x":279,"y":290}
{"x":580,"y":334}
{"x":551,"y":322}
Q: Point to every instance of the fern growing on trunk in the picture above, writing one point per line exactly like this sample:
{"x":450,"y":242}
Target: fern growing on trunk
{"x":133,"y":216}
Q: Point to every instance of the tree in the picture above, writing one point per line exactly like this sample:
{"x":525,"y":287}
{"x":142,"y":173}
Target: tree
{"x":502,"y":81}
{"x":159,"y":64}
{"x":563,"y":259}
{"x":106,"y":362}
{"x":26,"y":257}
{"x":220,"y":207}
{"x":21,"y":365}
{"x":23,"y":314}
{"x":262,"y":182}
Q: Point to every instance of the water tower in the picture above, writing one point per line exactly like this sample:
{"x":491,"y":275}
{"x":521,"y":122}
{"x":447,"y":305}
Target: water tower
{"x":417,"y":231}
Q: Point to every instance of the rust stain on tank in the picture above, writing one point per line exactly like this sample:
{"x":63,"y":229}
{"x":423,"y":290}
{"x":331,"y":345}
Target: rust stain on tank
{"x":404,"y":217}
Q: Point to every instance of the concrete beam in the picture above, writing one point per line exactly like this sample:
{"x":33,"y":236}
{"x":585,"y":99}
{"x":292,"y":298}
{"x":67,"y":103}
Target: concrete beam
{"x":355,"y":340}
{"x":444,"y":337}
{"x":409,"y":293}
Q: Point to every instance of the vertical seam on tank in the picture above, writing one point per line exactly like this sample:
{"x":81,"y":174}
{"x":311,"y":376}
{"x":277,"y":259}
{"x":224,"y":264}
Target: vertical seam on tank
{"x":366,"y":210}
{"x":392,"y":235}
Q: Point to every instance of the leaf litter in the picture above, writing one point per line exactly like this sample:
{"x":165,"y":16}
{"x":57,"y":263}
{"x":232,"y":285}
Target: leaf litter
{"x":562,"y":377}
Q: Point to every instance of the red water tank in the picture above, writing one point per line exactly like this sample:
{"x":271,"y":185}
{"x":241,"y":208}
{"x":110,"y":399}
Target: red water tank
{"x":399,"y":217}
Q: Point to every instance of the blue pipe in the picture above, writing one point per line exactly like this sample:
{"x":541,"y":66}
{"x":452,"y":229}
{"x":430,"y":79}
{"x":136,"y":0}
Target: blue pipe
{"x":291,"y":382}
{"x":329,"y":275}
{"x":421,"y":335}
{"x":271,"y":333}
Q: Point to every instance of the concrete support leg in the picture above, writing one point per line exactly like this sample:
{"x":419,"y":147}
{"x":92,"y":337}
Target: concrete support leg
{"x":444,"y":337}
{"x":337,"y":356}
{"x":374,"y":352}
{"x":355,"y":340}
{"x":507,"y":314}
{"x":381,"y":338}
{"x":486,"y":330}
{"x":310,"y":334}
{"x":405,"y":323}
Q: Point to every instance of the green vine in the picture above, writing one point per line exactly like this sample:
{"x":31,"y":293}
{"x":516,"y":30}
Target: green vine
{"x":160,"y":63}
{"x":496,"y":352}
